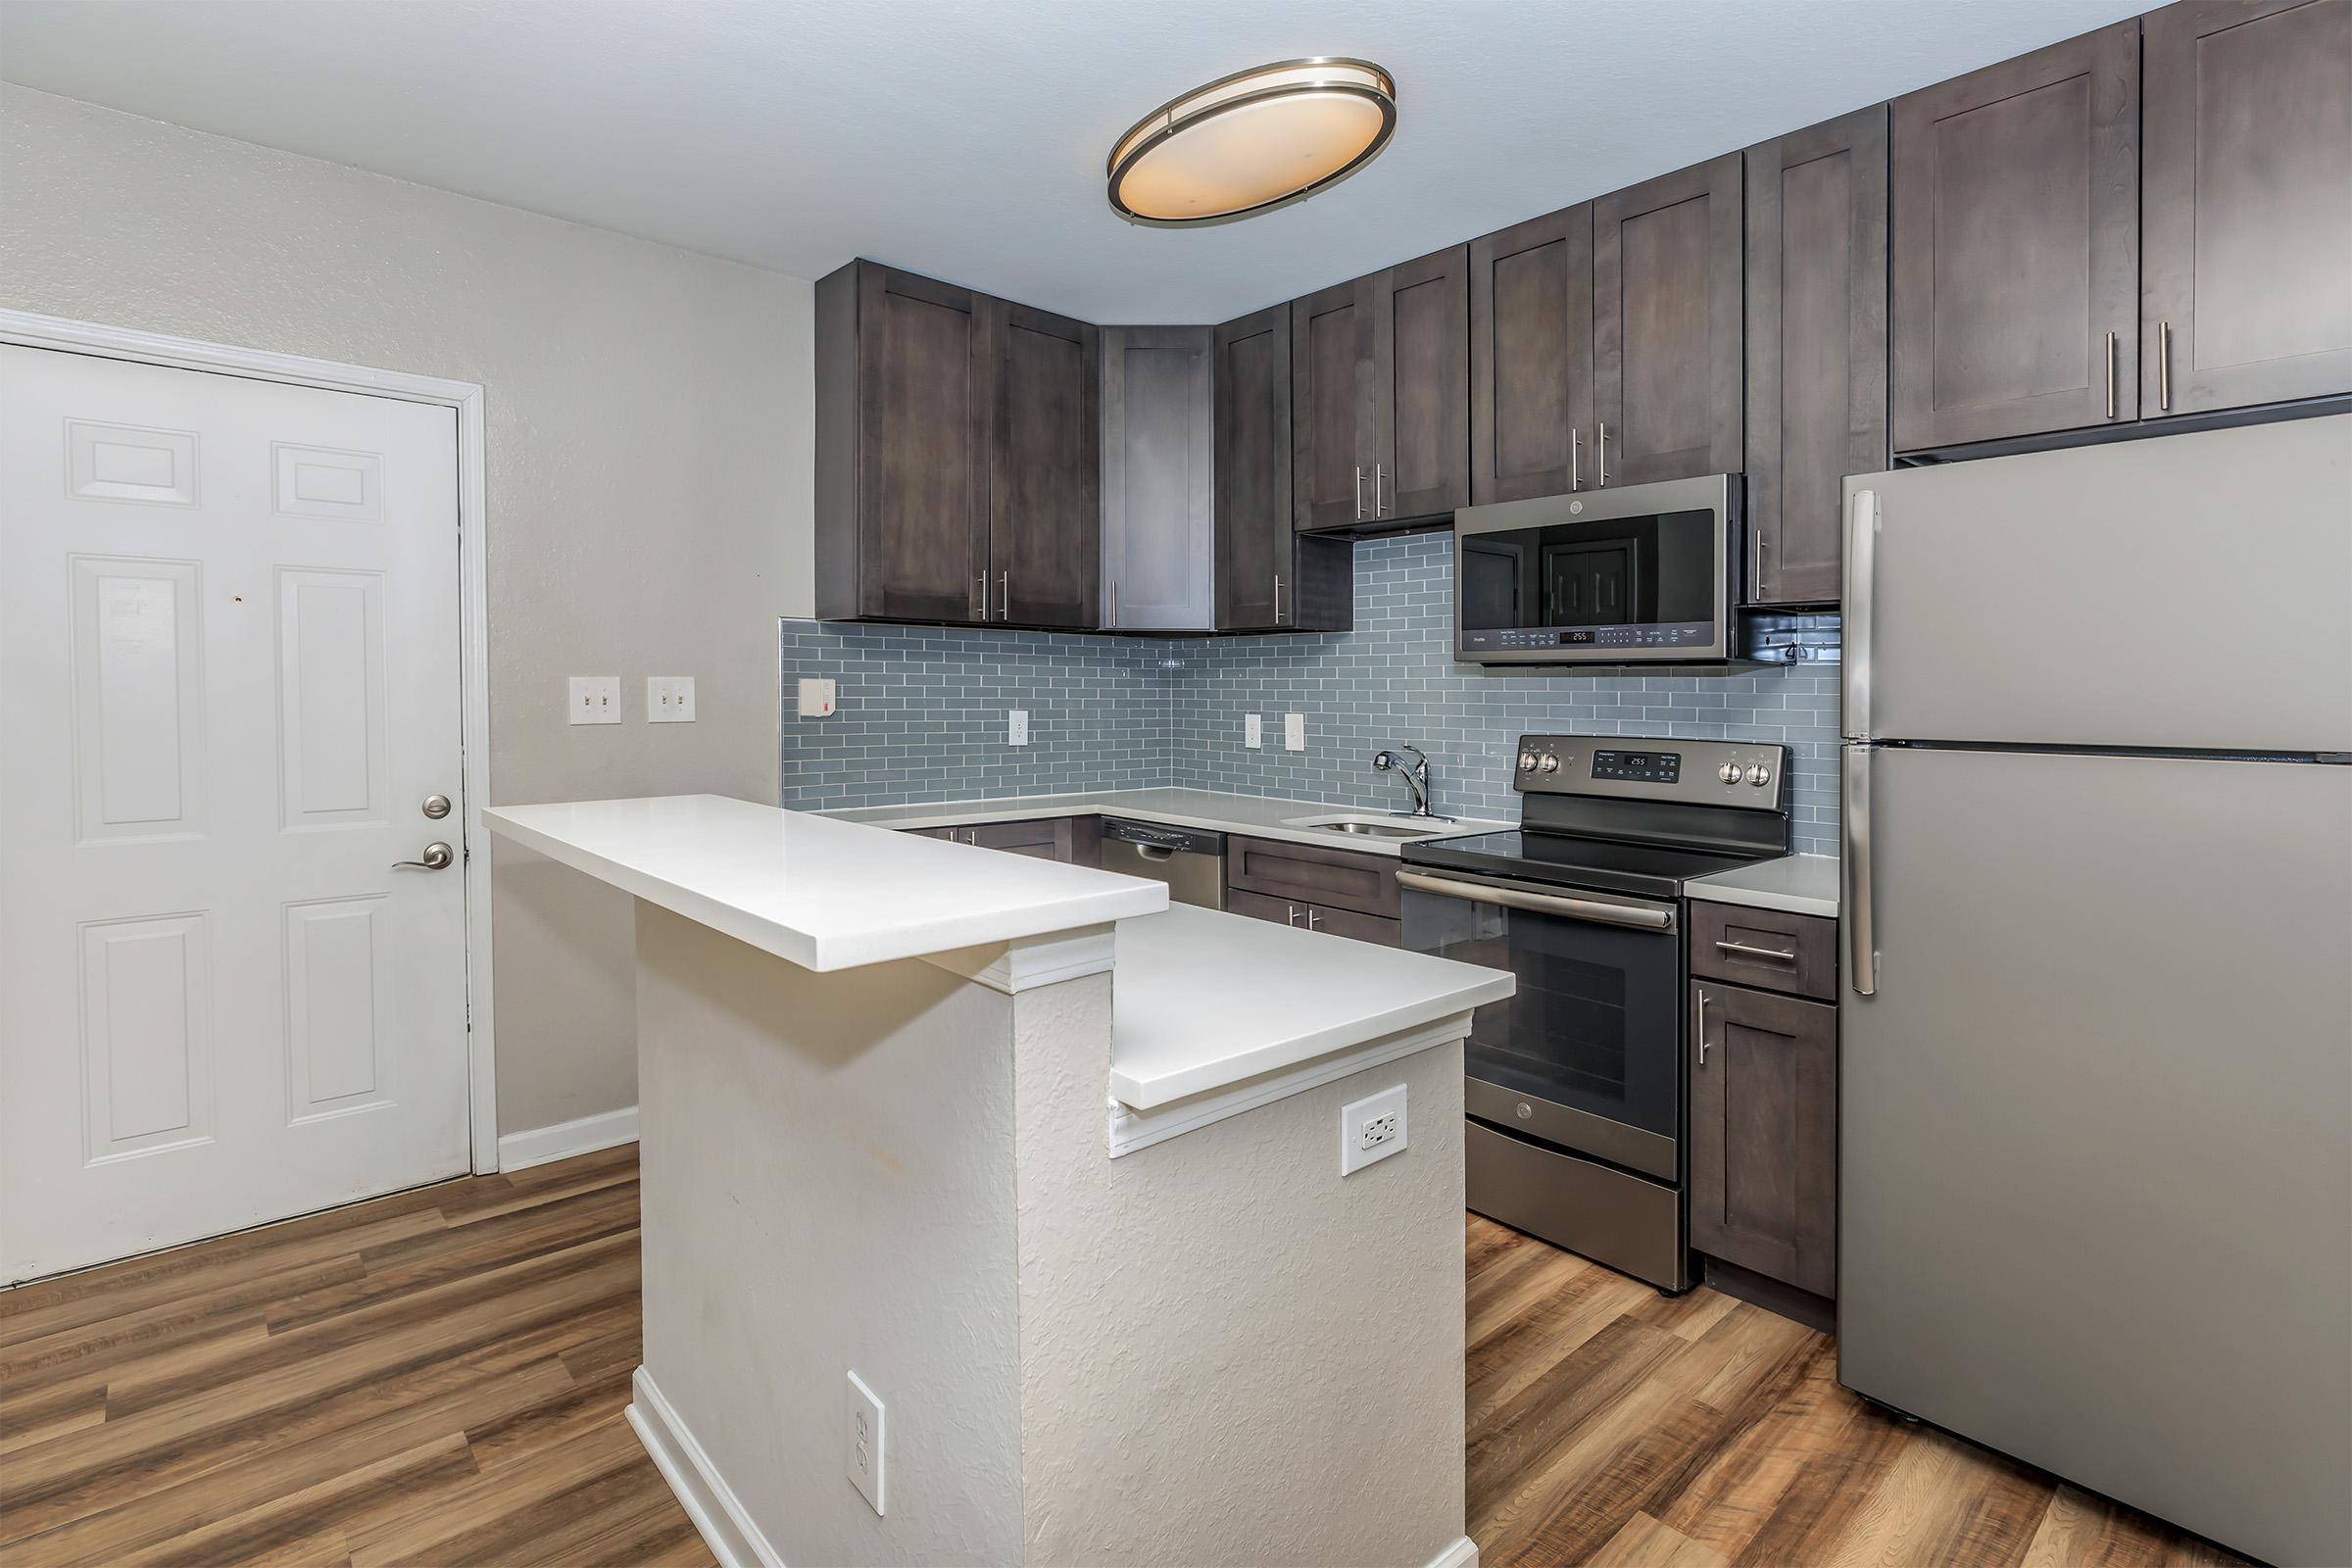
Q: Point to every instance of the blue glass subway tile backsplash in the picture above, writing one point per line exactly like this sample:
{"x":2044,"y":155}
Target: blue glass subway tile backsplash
{"x":921,"y":712}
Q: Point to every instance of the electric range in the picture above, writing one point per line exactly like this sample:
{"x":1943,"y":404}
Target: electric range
{"x":1576,"y":1084}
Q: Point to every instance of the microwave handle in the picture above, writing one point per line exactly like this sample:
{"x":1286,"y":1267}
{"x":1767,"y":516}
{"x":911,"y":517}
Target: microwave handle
{"x":1594,"y":910}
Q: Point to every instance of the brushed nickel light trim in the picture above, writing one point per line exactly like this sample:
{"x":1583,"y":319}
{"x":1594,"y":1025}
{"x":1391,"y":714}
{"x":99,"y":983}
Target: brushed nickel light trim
{"x":1324,"y":80}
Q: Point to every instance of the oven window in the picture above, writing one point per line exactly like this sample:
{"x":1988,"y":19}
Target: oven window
{"x":1597,"y":1021}
{"x":1615,"y":572}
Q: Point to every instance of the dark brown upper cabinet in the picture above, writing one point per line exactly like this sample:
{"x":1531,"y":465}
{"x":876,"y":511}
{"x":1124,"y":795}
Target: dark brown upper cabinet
{"x":1045,"y":498}
{"x":1269,"y":576}
{"x":902,"y":430}
{"x":2246,"y":168}
{"x":1816,"y":348}
{"x":1333,"y":437}
{"x":1158,"y":505}
{"x":1666,"y":350}
{"x":1421,"y":386}
{"x":957,"y":451}
{"x":1530,"y":357}
{"x":2016,"y":305}
{"x":1764,"y":1134}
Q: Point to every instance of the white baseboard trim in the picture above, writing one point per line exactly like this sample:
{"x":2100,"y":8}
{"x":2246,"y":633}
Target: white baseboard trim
{"x":536,"y":1146}
{"x":725,"y":1528}
{"x":1463,"y":1553}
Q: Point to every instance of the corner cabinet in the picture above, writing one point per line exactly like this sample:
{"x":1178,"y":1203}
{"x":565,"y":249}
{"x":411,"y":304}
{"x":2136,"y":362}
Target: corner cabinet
{"x":1269,"y":577}
{"x":1816,"y":339}
{"x":1158,"y":501}
{"x":956,"y":456}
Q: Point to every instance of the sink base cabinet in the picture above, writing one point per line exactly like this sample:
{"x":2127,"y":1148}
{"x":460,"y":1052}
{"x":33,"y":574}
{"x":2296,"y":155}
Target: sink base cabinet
{"x":1764,"y":1133}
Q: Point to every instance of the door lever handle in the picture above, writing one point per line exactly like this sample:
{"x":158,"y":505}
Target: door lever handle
{"x":438,"y":857}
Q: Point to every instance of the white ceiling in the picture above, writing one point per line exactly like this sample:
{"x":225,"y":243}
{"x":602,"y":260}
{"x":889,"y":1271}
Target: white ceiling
{"x":965,"y":139}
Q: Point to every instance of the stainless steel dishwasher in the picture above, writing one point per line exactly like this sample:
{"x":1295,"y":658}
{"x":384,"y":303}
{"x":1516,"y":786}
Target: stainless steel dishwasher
{"x":1189,"y":861}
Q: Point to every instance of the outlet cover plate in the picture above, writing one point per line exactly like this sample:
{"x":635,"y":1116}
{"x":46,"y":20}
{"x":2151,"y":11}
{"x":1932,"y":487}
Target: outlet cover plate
{"x":1371,"y":1129}
{"x":1293,"y":732}
{"x":861,"y":1433}
{"x":818,"y":697}
{"x":595,"y":700}
{"x":1016,"y":727}
{"x":1253,"y":731}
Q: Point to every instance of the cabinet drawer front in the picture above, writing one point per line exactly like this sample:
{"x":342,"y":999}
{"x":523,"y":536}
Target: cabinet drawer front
{"x":1323,"y":917}
{"x":1764,"y":1133}
{"x":1336,"y":879}
{"x":1769,"y":948}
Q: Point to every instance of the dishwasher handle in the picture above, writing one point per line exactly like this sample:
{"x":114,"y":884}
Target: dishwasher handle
{"x":1158,"y":843}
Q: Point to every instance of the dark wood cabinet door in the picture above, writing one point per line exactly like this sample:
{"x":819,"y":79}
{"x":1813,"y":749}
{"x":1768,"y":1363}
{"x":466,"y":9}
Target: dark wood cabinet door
{"x":2016,"y":306}
{"x":1421,"y":386}
{"x":2246,"y":272}
{"x":1333,"y":880}
{"x":903,"y":398}
{"x":1531,"y":357}
{"x":1816,"y":348}
{"x":1332,"y":428}
{"x":1252,"y":468}
{"x":1764,"y":1134}
{"x":1044,"y":516}
{"x":1667,"y":365}
{"x":1159,"y":527}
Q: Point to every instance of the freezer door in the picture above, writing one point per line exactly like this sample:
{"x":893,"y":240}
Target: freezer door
{"x":2095,"y":1129}
{"x":2187,"y":591}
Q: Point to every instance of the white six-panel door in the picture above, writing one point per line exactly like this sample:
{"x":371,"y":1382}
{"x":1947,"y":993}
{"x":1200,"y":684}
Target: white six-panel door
{"x":228,"y":681}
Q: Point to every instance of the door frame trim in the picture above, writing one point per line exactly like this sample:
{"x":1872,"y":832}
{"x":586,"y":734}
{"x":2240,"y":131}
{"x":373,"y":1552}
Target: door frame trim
{"x":28,"y":330}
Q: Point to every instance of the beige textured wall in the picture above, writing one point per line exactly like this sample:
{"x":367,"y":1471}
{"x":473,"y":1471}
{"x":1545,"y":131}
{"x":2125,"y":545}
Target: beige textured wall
{"x":650,"y":422}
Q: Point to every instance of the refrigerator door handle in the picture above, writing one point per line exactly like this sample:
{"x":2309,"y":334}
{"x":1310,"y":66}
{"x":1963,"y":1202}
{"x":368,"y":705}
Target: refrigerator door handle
{"x":1861,"y":927}
{"x":1861,"y":558}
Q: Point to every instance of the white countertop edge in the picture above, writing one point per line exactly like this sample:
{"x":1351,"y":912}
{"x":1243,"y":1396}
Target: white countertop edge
{"x":1130,"y":1129}
{"x":918,"y":937}
{"x":1252,"y":817}
{"x":1795,"y":884}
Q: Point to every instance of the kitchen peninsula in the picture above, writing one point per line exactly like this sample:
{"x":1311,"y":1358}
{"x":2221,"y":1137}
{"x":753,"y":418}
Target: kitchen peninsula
{"x":1052,"y":1170}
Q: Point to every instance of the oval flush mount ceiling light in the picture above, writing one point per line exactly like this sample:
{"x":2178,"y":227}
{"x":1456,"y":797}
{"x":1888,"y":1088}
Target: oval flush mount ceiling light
{"x":1253,"y":141}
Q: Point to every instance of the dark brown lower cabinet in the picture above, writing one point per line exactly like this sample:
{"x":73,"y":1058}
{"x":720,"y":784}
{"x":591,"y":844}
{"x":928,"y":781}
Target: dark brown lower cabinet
{"x":1323,"y":917}
{"x":1073,"y":840}
{"x":1764,"y":1133}
{"x":1310,"y":874}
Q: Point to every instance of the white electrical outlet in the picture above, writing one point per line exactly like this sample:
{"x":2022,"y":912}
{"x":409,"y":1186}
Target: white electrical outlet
{"x":1016,"y":727}
{"x":669,"y":699}
{"x":1293,"y":732}
{"x":595,"y":700}
{"x":865,"y":1434}
{"x":817,"y":698}
{"x":1371,"y":1128}
{"x":1253,"y":731}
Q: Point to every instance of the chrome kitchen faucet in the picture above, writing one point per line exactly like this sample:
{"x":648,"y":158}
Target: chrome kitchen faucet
{"x":1414,"y":773}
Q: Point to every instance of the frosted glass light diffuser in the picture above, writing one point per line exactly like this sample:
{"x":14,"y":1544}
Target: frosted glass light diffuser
{"x":1254,"y":140}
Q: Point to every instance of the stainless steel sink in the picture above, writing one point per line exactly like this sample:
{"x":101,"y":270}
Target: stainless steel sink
{"x":1365,"y":825}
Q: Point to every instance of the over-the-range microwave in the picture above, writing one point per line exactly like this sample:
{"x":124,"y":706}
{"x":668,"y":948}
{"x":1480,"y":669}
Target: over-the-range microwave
{"x":1643,"y":574}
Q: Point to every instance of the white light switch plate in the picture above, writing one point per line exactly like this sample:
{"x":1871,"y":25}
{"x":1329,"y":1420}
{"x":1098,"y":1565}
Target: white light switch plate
{"x":1293,"y":732}
{"x":862,"y":1434}
{"x":595,"y":700}
{"x":817,"y":699}
{"x":1016,"y":727}
{"x":669,"y":699}
{"x":1253,"y":731}
{"x":1371,"y":1128}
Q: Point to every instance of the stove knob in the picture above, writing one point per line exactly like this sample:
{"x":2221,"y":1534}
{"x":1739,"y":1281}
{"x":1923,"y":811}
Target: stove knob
{"x":1759,"y":776}
{"x":1728,"y":772}
{"x":1549,"y":764}
{"x":1527,"y":762}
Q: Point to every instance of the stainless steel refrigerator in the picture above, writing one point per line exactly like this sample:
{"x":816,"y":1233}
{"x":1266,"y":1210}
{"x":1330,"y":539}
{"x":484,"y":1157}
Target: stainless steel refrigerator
{"x":2095,"y":1127}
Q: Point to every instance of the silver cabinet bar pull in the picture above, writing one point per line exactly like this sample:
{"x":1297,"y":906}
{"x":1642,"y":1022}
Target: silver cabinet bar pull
{"x":1115,"y":601}
{"x":1601,"y":449}
{"x":1004,"y":595}
{"x":1360,"y":492}
{"x":1576,"y":480}
{"x":1703,"y":999}
{"x":438,"y":857}
{"x":1314,"y":918}
{"x":1380,"y":508}
{"x":1293,"y":911}
{"x":982,"y":579}
{"x":1755,"y":583}
{"x":1278,"y":599}
{"x":1743,"y":949}
{"x":2111,"y":376}
{"x":2164,"y":367}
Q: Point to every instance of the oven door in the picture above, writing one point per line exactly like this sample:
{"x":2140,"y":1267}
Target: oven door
{"x":1588,"y":1054}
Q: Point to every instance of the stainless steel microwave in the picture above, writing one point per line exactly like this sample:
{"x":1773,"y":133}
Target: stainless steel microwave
{"x":1639,"y":575}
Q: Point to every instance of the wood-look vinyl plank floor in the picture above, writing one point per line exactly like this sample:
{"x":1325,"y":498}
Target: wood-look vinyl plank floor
{"x":437,"y":1378}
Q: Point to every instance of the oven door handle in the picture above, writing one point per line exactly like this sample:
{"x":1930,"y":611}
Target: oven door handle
{"x":1642,"y":916}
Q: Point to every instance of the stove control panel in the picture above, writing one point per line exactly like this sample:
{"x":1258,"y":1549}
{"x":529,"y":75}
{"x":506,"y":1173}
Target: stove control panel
{"x":1745,"y":774}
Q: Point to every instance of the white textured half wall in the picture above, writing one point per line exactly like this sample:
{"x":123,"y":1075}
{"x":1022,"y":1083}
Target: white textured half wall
{"x":650,"y":427}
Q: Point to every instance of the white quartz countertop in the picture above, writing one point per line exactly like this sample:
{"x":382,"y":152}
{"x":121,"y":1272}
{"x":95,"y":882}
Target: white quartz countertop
{"x":1800,"y":884}
{"x":821,"y":893}
{"x":1255,"y":815}
{"x":1204,"y":999}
